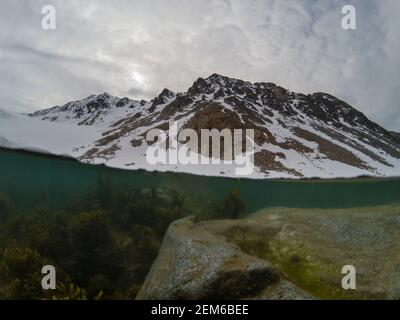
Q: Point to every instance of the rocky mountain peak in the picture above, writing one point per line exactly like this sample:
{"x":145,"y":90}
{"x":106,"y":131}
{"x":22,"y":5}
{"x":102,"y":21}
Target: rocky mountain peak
{"x":163,"y":98}
{"x":199,"y":86}
{"x":214,"y":83}
{"x":104,"y":95}
{"x":296,"y":135}
{"x":219,"y":79}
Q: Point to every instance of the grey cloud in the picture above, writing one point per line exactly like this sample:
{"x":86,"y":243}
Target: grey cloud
{"x":137,"y":48}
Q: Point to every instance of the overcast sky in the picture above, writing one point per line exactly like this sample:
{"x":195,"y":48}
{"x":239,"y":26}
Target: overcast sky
{"x":136,"y":48}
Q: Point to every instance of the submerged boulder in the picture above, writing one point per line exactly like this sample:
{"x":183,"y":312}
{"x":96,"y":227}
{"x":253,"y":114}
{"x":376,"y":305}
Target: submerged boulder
{"x":280,"y":253}
{"x":194,"y":263}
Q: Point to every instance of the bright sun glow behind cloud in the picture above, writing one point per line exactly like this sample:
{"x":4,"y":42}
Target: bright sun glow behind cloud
{"x":136,"y":48}
{"x":138,"y":78}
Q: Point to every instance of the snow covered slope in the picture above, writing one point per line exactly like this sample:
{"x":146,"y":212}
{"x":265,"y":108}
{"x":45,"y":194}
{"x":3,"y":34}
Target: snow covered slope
{"x":296,"y":135}
{"x":22,"y":132}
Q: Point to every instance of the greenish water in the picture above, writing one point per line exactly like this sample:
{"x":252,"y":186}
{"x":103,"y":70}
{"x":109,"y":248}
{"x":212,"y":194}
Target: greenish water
{"x":30,"y":179}
{"x":102,"y":228}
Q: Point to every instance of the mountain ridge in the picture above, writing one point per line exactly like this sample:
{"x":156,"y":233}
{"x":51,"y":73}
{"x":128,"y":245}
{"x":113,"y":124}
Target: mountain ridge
{"x":296,"y":135}
{"x":165,"y":93}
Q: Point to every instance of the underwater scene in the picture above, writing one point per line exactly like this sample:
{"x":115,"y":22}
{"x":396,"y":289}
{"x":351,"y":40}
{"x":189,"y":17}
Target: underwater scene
{"x":105,"y":232}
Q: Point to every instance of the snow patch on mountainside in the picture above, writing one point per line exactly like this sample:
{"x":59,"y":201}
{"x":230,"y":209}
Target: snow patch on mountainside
{"x":296,"y":135}
{"x":57,"y":138}
{"x":5,"y":143}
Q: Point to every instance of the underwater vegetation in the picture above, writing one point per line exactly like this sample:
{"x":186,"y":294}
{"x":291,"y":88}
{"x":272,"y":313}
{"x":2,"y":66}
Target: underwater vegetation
{"x":102,"y":243}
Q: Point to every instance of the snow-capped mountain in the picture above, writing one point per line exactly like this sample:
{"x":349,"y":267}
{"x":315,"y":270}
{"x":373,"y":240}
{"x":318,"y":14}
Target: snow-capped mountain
{"x":296,"y":135}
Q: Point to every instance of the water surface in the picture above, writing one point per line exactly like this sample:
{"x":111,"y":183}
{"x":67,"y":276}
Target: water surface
{"x":30,"y":179}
